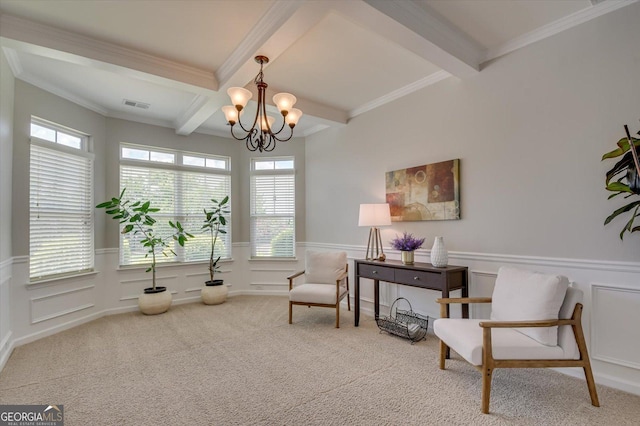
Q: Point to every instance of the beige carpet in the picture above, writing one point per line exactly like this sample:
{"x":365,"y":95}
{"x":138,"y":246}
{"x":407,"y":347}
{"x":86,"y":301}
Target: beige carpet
{"x":241,"y":363}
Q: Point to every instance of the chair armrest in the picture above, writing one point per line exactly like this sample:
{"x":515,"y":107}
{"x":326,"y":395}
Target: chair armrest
{"x":519,"y":324}
{"x":341,"y":277}
{"x":297,"y":274}
{"x":447,"y":300}
{"x":291,"y":277}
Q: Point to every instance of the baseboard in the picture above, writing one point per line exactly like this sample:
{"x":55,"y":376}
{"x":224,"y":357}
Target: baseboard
{"x":6,"y":349}
{"x":56,"y":329}
{"x":603,"y":380}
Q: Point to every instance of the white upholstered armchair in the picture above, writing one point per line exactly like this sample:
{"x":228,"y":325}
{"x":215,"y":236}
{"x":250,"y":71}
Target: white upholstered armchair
{"x":326,"y":282}
{"x":536,"y":321}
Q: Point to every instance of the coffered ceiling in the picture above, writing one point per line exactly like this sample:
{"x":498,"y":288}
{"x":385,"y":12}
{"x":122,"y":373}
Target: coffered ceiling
{"x":341,"y":58}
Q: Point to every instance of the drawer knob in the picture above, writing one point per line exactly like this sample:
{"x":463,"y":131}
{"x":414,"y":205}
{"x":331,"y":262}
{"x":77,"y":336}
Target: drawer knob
{"x":374,"y":272}
{"x":416,"y":278}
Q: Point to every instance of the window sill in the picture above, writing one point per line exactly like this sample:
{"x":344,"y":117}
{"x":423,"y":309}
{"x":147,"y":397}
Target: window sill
{"x":144,"y":266}
{"x":273,"y":259}
{"x":61,"y":278}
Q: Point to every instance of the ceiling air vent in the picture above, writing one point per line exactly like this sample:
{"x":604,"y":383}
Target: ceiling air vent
{"x":136,"y":104}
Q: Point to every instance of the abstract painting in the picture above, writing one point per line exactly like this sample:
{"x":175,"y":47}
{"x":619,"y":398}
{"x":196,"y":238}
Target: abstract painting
{"x":429,"y":192}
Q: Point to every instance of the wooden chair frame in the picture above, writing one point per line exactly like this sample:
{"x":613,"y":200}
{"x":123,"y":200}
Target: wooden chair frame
{"x":343,"y":276}
{"x":489,"y":363}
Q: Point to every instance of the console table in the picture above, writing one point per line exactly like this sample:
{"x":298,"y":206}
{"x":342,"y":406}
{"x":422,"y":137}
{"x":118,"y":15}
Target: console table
{"x":422,"y":275}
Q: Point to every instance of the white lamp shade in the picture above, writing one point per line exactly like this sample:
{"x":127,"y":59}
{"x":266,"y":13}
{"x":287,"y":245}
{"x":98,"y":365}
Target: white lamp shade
{"x":293,"y":117}
{"x":263,"y":124}
{"x":239,"y":96}
{"x":230,"y":113}
{"x":284,"y":101}
{"x":374,"y":215}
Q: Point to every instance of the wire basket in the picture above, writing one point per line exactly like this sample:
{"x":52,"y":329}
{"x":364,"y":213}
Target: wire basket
{"x":406,"y":324}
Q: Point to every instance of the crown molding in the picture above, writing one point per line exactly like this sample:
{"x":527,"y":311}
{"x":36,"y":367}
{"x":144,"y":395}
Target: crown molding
{"x":14,"y":61}
{"x":403,"y":91}
{"x":110,"y":54}
{"x":556,"y":27}
{"x":51,"y":88}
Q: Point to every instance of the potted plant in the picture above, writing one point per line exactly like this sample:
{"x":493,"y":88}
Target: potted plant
{"x":136,"y":217}
{"x":626,"y":173}
{"x":407,"y":244}
{"x":214,"y":291}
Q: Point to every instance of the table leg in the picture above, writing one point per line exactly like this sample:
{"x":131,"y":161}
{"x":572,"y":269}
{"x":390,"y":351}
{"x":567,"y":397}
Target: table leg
{"x":376,"y":297}
{"x":465,"y":293}
{"x":356,"y":309}
{"x":445,"y":294}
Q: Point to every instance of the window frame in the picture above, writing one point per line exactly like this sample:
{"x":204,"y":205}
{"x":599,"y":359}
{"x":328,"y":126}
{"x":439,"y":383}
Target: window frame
{"x":82,"y":152}
{"x":254,"y":171}
{"x":179,"y":169}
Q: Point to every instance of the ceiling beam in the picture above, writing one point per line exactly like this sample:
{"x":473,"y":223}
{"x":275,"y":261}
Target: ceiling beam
{"x":419,"y":29}
{"x":72,"y":47}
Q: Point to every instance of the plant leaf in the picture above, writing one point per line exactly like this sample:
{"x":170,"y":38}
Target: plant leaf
{"x":621,"y":210}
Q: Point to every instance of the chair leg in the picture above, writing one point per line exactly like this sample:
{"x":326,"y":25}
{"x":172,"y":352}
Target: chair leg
{"x":290,"y":312}
{"x":443,"y":354}
{"x":348,"y":296}
{"x":486,"y":388}
{"x":584,"y":355}
{"x":338,"y":314}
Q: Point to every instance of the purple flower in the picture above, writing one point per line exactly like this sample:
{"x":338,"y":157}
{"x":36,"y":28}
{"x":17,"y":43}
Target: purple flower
{"x":407,"y":242}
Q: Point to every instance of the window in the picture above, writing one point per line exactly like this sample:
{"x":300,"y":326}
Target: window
{"x":273,"y":210}
{"x":60,"y":202}
{"x":181,"y":185}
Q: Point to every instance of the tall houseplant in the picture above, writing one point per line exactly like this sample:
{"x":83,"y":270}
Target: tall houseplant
{"x":135,"y":216}
{"x":215,"y":291}
{"x":624,"y":178}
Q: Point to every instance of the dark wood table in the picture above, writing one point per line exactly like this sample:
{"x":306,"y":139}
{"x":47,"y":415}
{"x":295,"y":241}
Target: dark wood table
{"x":422,"y":275}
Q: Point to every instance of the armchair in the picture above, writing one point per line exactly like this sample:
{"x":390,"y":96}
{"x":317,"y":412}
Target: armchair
{"x":326,"y":282}
{"x":536,"y":322}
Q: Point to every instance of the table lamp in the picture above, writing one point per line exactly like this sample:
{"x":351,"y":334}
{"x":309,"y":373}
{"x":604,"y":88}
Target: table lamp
{"x":374,"y":215}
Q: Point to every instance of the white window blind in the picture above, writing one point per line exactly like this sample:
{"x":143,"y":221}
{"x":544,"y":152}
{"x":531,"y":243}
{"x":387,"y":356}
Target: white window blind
{"x":181,"y":195}
{"x":61,"y":210}
{"x":273,"y":208}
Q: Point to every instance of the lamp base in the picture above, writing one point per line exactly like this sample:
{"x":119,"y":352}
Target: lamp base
{"x":374,"y":246}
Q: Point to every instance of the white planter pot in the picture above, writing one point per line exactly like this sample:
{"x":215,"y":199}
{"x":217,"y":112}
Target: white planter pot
{"x":214,"y":294}
{"x":155,"y":303}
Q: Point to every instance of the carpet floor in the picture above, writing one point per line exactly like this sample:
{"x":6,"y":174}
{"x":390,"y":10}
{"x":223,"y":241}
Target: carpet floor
{"x":241,"y":363}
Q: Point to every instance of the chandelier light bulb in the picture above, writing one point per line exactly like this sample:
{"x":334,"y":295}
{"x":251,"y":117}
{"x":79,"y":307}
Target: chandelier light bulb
{"x":239,"y":96}
{"x":293,"y":116}
{"x":263,"y":124}
{"x":284,"y":101}
{"x":230,"y":113}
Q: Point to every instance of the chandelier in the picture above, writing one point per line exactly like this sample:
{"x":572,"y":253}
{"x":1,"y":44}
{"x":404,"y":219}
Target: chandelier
{"x":261,"y":135}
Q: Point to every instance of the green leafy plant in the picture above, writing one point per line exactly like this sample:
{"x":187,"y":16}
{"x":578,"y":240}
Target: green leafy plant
{"x":136,"y":217}
{"x":624,"y":178}
{"x":214,"y":219}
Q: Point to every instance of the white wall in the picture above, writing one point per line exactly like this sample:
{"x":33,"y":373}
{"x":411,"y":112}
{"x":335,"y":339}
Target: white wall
{"x":7,"y":85}
{"x":530,"y":130}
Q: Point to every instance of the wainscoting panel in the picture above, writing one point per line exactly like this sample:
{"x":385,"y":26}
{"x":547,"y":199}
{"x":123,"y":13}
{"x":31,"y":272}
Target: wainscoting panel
{"x":54,"y":305}
{"x":615,"y":312}
{"x":5,"y":312}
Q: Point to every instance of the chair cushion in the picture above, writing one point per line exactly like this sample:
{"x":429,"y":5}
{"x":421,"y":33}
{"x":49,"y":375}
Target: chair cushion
{"x":521,"y":295}
{"x":316,"y":293}
{"x":465,"y":337}
{"x":324,"y":267}
{"x":566,"y":338}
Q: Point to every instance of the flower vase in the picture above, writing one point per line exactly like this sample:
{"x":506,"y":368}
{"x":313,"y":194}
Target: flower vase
{"x":407,"y":257}
{"x":439,"y":254}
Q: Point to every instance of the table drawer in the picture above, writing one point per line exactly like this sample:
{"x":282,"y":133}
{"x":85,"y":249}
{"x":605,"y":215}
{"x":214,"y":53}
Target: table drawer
{"x":432,"y":280}
{"x":375,"y":272}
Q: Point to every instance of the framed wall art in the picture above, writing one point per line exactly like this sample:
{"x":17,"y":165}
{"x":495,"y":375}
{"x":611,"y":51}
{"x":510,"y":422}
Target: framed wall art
{"x":429,"y":192}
